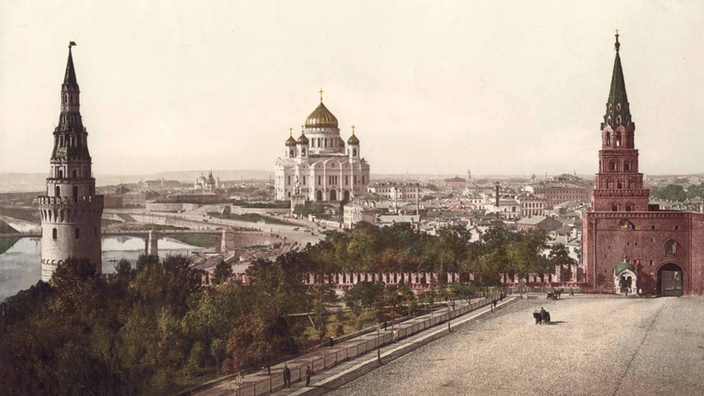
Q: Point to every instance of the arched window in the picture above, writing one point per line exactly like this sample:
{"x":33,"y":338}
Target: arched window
{"x":75,"y":174}
{"x":619,"y":184}
{"x":57,"y":191}
{"x":626,"y":224}
{"x":303,"y":152}
{"x":629,"y":207}
{"x":618,"y":140}
{"x":75,"y":192}
{"x":61,"y":174}
{"x":354,"y":152}
{"x":54,"y":234}
{"x":608,"y":138}
{"x":671,"y":247}
{"x":77,"y":233}
{"x":614,"y":208}
{"x":612,"y":165}
{"x":618,"y":106}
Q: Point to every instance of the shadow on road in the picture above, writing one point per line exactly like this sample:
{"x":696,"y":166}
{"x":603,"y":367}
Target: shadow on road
{"x":557,"y":322}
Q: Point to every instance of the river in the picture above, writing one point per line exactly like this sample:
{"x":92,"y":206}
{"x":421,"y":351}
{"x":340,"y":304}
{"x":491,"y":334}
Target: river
{"x":20,"y":266}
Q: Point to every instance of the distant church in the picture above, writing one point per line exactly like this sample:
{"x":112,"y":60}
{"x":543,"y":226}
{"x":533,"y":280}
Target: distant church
{"x":628,"y":245}
{"x":209,"y":184}
{"x":318,"y":166}
{"x":70,"y":210}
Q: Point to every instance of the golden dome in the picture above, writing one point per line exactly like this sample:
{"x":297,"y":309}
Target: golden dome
{"x":290,"y":141}
{"x":302,"y":139}
{"x":321,"y":117}
{"x":353,"y":139}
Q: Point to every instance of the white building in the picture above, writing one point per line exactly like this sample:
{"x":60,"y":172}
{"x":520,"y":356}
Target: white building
{"x":318,"y":165}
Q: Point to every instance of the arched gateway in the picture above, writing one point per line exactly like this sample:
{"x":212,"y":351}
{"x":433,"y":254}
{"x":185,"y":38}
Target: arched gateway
{"x":670,"y":280}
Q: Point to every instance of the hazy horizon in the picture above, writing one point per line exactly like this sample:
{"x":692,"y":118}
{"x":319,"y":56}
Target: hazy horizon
{"x":433,"y":88}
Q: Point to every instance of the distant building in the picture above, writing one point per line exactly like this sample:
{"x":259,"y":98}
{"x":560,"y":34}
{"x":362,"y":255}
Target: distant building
{"x":532,"y":205}
{"x":207,"y":184}
{"x":396,"y":192}
{"x":558,"y":193}
{"x":319,"y":165}
{"x":547,"y":224}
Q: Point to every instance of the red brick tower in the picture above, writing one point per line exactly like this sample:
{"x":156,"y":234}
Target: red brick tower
{"x":619,"y":185}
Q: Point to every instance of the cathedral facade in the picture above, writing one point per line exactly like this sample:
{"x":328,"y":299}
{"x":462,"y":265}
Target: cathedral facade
{"x":319,"y":166}
{"x":70,"y":211}
{"x":629,"y":246}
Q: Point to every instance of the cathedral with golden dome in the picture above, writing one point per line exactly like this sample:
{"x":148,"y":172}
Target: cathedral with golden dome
{"x":319,"y":166}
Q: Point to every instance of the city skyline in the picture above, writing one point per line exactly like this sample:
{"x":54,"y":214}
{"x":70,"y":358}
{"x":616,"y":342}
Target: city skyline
{"x":431,"y":88}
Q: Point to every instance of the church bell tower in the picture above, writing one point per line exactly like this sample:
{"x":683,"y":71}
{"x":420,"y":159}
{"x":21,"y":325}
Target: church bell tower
{"x":70,"y":210}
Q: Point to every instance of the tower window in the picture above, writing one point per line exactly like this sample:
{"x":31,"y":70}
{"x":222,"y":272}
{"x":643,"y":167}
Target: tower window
{"x":75,"y":174}
{"x":677,"y":227}
{"x":57,"y":191}
{"x":61,"y":174}
{"x":671,"y":247}
{"x":652,"y":227}
{"x":612,"y":165}
{"x":77,"y":233}
{"x":75,"y":192}
{"x":54,"y":234}
{"x":608,"y":138}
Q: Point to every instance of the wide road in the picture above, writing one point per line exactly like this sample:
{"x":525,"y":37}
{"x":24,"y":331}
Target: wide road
{"x":597,"y":345}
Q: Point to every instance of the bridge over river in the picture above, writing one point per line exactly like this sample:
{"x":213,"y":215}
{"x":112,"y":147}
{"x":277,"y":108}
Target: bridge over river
{"x":228,"y":239}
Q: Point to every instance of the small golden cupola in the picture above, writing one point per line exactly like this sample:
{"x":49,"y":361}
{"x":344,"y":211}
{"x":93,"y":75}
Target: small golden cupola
{"x":353,"y":139}
{"x":302,"y":139}
{"x":321,"y":117}
{"x":290,"y":142}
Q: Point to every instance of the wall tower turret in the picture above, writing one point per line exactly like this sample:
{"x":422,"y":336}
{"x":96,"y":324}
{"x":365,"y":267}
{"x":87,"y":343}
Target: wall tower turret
{"x":70,"y":210}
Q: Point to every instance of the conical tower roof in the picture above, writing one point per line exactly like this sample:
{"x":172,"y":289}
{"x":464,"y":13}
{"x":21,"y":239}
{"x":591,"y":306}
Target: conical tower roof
{"x":70,"y":76}
{"x":617,"y":108}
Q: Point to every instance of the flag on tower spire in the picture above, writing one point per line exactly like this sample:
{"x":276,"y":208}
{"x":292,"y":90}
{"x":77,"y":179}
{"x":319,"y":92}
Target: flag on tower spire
{"x":70,"y":77}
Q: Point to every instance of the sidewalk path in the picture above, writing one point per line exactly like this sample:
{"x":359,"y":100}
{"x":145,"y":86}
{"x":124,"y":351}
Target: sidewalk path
{"x":335,"y":366}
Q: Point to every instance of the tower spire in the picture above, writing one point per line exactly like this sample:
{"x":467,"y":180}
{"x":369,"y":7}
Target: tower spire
{"x":617,"y":108}
{"x":70,"y":76}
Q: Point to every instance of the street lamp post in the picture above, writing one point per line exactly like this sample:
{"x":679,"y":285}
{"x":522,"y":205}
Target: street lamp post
{"x":378,"y":345}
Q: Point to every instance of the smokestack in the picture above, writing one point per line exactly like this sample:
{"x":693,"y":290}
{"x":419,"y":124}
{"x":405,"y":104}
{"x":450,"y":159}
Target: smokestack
{"x":498,"y":211}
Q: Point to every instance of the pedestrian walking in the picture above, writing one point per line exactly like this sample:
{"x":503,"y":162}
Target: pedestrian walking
{"x":309,"y":372}
{"x":385,"y":324}
{"x":331,"y":342}
{"x":571,"y":291}
{"x":287,"y":376}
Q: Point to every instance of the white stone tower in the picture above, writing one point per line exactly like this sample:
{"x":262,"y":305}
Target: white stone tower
{"x":70,"y":210}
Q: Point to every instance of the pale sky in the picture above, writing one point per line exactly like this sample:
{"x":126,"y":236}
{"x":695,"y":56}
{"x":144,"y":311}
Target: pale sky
{"x":500,"y":87}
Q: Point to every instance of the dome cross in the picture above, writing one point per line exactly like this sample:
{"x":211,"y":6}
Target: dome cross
{"x":321,"y":95}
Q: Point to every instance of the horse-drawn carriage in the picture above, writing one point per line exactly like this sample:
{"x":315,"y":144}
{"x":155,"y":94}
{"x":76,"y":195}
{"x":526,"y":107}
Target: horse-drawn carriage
{"x":541,"y":317}
{"x":555,"y":294}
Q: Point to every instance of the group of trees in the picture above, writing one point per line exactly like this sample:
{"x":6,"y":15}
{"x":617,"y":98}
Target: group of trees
{"x":367,"y":248}
{"x":153,"y":329}
{"x":677,"y":192}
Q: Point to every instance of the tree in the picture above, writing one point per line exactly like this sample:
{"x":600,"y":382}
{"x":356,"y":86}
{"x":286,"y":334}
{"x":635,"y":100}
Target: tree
{"x":560,"y":255}
{"x":319,"y":298}
{"x":223,"y":272}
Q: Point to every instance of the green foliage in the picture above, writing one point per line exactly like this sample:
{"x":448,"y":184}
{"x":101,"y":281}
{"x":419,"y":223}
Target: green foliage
{"x":223,"y":272}
{"x":310,"y":209}
{"x":432,"y":187}
{"x":672,"y":192}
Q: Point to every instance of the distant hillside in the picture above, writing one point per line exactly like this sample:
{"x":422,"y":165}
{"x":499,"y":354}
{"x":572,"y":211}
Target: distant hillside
{"x":24,"y":182}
